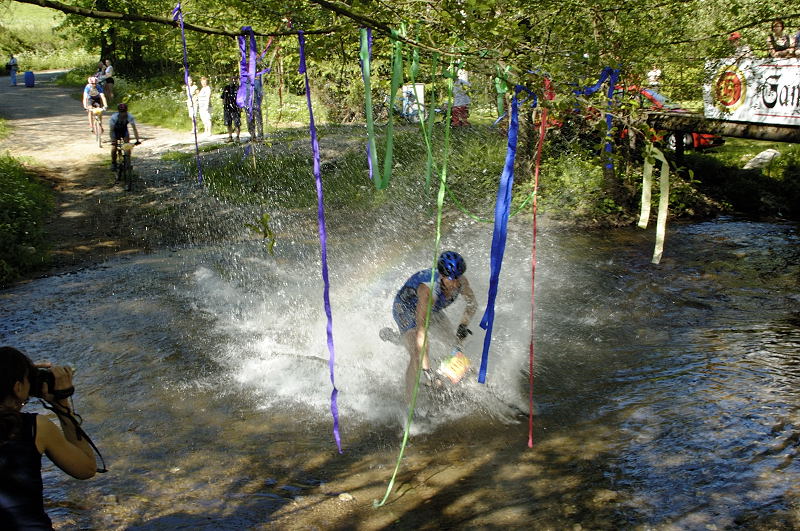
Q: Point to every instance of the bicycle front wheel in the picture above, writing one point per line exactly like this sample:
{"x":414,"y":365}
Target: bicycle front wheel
{"x":128,"y":171}
{"x":98,"y":132}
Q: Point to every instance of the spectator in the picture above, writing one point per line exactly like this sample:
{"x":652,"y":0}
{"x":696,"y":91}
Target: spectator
{"x":230,"y":109}
{"x":24,"y":437}
{"x":654,"y":77}
{"x":738,"y":49}
{"x":12,"y":67}
{"x":779,"y":44}
{"x":204,"y":106}
{"x":191,"y":101}
{"x":460,"y":112}
{"x":108,"y":77}
{"x":255,"y":121}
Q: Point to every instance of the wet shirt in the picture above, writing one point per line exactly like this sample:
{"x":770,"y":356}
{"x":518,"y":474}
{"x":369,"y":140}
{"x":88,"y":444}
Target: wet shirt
{"x":120,"y":126}
{"x":405,"y":302}
{"x":93,"y":91}
{"x":21,"y":505}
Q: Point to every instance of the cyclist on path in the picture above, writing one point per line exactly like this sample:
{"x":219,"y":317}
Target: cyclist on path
{"x":93,"y":96}
{"x":118,"y":125}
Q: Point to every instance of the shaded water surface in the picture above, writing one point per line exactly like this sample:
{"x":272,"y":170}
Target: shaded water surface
{"x":666,"y":396}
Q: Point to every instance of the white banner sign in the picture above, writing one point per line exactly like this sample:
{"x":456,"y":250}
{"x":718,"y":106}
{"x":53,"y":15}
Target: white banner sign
{"x":762,"y":91}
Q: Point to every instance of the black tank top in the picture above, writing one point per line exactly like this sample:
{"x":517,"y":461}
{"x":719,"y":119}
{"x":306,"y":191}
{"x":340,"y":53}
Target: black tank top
{"x":21,"y":504}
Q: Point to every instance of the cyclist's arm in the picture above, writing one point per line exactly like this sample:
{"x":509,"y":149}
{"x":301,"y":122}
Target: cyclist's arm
{"x":135,"y":131}
{"x":103,"y":97}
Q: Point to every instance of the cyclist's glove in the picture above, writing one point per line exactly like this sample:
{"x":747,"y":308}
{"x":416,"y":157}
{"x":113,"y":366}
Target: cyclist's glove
{"x":463,"y":331}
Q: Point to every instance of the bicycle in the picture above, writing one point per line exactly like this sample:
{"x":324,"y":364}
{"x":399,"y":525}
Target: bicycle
{"x":124,"y":164}
{"x":97,"y":124}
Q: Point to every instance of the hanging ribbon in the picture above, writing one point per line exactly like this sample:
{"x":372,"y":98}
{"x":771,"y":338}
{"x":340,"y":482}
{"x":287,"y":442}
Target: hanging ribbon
{"x":549,"y":94}
{"x":322,"y":240}
{"x":365,"y":56}
{"x":247,"y":70}
{"x":612,"y":75}
{"x":177,"y":15}
{"x":652,"y":154}
{"x":502,"y":207}
{"x":382,"y":180}
{"x":427,"y":128}
{"x":439,"y":209}
{"x":501,"y":87}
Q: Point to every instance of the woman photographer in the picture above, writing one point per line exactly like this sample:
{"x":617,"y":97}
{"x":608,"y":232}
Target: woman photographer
{"x":24,"y":437}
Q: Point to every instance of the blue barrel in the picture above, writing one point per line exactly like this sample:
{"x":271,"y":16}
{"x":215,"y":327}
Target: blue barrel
{"x":29,"y":79}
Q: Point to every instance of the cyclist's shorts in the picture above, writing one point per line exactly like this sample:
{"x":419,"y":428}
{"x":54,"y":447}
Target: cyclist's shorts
{"x":120,"y":134}
{"x":95,"y":101}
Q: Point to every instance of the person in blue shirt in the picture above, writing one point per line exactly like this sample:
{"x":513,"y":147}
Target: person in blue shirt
{"x":118,"y":126}
{"x":411,"y":305}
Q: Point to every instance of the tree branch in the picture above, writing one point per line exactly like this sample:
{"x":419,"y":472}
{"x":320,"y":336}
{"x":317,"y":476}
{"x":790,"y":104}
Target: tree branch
{"x":135,"y":17}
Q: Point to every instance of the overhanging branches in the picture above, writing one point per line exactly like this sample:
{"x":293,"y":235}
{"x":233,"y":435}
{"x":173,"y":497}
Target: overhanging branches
{"x":361,"y":20}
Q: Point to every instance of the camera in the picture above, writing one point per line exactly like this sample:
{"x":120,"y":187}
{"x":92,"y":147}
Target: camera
{"x":40,"y":376}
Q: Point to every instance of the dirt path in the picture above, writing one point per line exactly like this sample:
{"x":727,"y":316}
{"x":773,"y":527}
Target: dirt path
{"x":93,"y":217}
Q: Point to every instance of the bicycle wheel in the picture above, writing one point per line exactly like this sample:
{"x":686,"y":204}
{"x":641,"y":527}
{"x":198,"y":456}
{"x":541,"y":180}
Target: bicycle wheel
{"x":120,"y":167}
{"x":128,"y":169}
{"x":97,"y":132}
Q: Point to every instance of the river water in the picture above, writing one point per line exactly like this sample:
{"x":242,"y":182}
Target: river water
{"x":666,"y":396}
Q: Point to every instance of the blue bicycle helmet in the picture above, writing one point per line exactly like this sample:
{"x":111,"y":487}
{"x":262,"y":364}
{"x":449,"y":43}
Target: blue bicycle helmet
{"x":451,"y":265}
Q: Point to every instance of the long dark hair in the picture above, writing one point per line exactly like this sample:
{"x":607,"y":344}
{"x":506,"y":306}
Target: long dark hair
{"x":14,"y":367}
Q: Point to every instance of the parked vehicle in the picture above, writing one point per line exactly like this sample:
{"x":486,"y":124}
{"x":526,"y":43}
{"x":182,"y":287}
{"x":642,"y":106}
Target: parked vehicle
{"x":648,"y":97}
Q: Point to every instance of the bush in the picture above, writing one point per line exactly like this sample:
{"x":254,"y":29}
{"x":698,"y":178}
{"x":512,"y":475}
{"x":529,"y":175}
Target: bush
{"x":24,"y":205}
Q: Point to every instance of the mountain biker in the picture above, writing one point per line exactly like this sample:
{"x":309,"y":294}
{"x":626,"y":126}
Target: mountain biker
{"x":411,"y":305}
{"x":93,"y":97}
{"x":118,"y":125}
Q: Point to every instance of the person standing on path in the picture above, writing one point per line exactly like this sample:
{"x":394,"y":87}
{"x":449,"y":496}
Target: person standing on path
{"x":460,"y":113}
{"x":255,"y":122}
{"x":191,"y":101}
{"x":231,"y":113}
{"x":12,"y":67}
{"x":204,"y":106}
{"x":108,"y":76}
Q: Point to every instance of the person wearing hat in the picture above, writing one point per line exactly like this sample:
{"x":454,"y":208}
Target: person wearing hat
{"x":738,"y":49}
{"x":411,"y":306}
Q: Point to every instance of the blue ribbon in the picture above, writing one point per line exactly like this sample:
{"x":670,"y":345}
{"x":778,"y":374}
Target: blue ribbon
{"x":177,"y":15}
{"x":612,"y":75}
{"x":501,"y":212}
{"x":322,"y":240}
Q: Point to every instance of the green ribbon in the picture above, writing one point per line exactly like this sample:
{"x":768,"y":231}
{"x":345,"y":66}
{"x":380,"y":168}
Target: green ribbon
{"x":651,"y":155}
{"x":439,"y":209}
{"x":427,"y":129}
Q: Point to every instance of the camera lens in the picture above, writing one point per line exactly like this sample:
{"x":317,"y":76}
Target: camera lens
{"x":40,"y":377}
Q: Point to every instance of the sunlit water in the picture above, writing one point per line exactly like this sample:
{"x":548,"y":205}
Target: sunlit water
{"x":678,"y":381}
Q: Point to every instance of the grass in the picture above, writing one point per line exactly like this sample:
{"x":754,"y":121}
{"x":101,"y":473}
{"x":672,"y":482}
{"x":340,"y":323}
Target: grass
{"x":770,"y":191}
{"x":29,"y":34}
{"x":24,"y":205}
{"x":5,"y":130}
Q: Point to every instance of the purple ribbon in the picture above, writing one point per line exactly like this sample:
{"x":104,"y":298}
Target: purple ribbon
{"x":177,"y":15}
{"x":247,"y":70}
{"x":364,"y":78}
{"x":322,"y":239}
{"x":501,"y":212}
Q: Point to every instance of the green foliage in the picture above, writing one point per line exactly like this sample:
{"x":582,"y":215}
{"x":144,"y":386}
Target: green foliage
{"x":261,"y":226}
{"x":5,"y":130}
{"x":27,"y":32}
{"x":24,"y":205}
{"x":773,"y":190}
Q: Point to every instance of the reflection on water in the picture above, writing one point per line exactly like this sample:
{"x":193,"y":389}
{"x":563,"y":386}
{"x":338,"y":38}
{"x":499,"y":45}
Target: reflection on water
{"x":666,"y":395}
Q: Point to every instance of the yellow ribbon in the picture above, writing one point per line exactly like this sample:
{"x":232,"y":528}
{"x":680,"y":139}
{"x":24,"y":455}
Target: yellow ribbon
{"x":651,"y":155}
